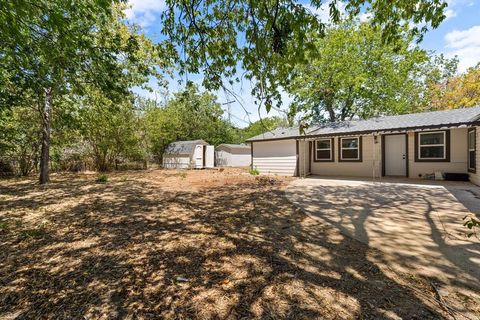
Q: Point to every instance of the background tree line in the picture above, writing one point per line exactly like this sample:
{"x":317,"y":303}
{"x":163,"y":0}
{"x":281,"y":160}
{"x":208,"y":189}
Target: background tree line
{"x":93,"y":132}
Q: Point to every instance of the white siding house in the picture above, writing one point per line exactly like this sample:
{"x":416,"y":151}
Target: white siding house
{"x":195,"y":154}
{"x":233,"y":155}
{"x":275,"y":157}
{"x":418,"y":146}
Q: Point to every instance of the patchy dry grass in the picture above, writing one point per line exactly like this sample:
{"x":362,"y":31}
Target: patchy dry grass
{"x":199,"y":244}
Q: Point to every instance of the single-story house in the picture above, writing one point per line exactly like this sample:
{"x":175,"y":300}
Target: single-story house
{"x":233,"y":155}
{"x":194,"y":154}
{"x":416,"y":145}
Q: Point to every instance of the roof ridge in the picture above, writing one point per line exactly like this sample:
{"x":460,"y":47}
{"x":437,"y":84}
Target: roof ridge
{"x":435,"y":118}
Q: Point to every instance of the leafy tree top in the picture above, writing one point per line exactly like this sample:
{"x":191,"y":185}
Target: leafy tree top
{"x":267,"y":38}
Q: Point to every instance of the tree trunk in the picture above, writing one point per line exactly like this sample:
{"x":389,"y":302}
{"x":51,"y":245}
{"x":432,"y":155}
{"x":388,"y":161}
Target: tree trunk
{"x":46,"y":123}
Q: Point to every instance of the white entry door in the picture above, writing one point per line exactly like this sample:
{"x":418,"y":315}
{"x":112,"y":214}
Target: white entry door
{"x":395,"y":155}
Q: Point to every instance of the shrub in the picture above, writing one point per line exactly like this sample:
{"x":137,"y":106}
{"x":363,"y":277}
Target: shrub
{"x":265,"y":180}
{"x":183,"y":174}
{"x":254,"y":172}
{"x":102,"y":178}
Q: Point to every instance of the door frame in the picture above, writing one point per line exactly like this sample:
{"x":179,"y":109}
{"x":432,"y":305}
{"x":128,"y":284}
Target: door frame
{"x":204,"y":154}
{"x":406,"y":152}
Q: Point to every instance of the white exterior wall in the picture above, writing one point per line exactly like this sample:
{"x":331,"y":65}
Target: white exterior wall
{"x":241,"y":160}
{"x":303,"y":165}
{"x":275,"y":157}
{"x":176,"y":162}
{"x":223,"y":158}
{"x":458,"y":156}
{"x":370,"y":164}
{"x":475,"y":177}
{"x":227,"y":159}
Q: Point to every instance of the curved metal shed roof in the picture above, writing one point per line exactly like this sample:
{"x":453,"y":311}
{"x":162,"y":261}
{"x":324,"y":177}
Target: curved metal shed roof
{"x":183,"y":147}
{"x":229,"y":147}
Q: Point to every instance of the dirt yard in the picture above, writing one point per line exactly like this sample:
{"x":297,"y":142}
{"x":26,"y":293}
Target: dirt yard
{"x":189,"y":245}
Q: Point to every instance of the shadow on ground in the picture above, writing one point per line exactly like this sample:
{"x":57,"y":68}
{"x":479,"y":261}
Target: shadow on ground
{"x":418,"y":228}
{"x":130,"y":248}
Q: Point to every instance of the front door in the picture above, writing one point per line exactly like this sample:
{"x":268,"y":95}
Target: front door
{"x":395,"y":155}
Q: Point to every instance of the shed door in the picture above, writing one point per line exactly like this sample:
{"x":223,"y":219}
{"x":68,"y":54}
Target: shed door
{"x":209,"y":157}
{"x":198,"y":157}
{"x":395,"y":155}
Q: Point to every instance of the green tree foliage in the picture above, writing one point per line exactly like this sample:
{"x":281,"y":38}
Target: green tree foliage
{"x":268,"y":38}
{"x":357,"y":74}
{"x":20,"y":134}
{"x":262,"y":126}
{"x":110,"y":129}
{"x":66,"y":69}
{"x":188,"y":115}
{"x":53,"y":49}
{"x":451,"y":91}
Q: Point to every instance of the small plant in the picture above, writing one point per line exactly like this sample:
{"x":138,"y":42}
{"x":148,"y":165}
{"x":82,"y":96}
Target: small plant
{"x":254,"y":172}
{"x":182,"y":174}
{"x":102,"y":178}
{"x":472,"y":224}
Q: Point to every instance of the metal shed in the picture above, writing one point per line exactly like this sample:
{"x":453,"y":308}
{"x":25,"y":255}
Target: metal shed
{"x":193,"y":154}
{"x":233,"y":155}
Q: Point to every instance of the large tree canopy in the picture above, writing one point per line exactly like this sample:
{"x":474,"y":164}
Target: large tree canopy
{"x":188,"y":115}
{"x":356,"y":74}
{"x":51,"y":49}
{"x":457,"y":91}
{"x":268,"y":38}
{"x":263,"y":125}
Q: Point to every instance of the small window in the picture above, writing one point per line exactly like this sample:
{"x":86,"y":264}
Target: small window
{"x":323,"y":150}
{"x":471,"y":150}
{"x":349,"y":149}
{"x":431,"y":145}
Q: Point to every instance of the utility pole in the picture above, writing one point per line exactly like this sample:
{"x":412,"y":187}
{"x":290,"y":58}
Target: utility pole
{"x":228,"y":103}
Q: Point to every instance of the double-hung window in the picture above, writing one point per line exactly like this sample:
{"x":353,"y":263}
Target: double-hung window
{"x":472,"y":150}
{"x":350,"y":149}
{"x":324,"y":150}
{"x":432,"y":145}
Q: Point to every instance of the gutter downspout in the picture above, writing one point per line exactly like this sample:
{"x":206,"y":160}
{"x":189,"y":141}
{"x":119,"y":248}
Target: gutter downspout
{"x":251,"y":155}
{"x":374,"y":158}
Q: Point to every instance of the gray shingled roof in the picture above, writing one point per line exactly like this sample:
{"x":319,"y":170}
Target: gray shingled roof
{"x":183,"y":147}
{"x":388,"y":123}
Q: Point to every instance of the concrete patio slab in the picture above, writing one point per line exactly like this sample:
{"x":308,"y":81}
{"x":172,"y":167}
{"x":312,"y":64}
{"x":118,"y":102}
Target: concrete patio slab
{"x":417,"y":225}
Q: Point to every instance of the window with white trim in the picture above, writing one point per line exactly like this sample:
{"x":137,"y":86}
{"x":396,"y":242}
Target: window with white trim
{"x":432,"y":145}
{"x":471,"y":150}
{"x":323,"y":150}
{"x":349,"y":148}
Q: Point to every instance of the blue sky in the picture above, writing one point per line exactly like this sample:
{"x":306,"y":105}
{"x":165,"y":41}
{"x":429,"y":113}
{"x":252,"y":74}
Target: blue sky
{"x":458,"y":35}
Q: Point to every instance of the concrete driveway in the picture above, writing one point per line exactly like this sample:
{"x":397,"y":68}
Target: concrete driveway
{"x":416,"y":226}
